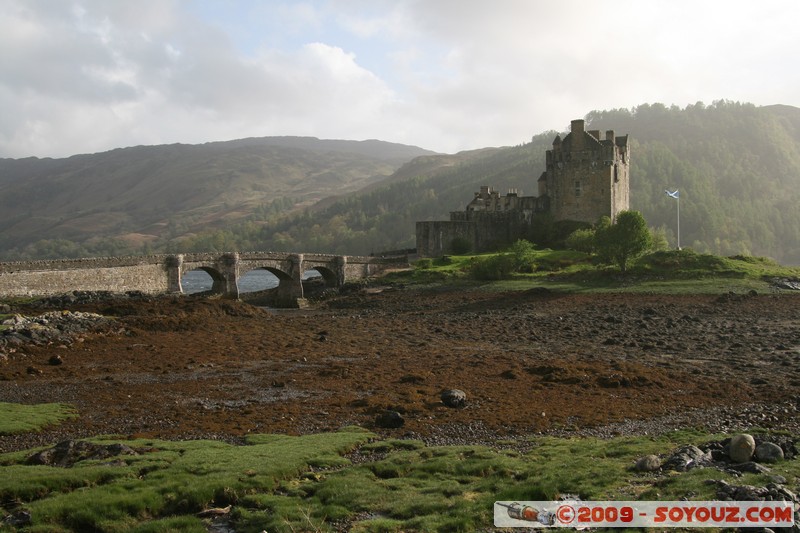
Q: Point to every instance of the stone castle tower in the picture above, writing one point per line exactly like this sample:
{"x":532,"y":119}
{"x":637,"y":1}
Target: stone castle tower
{"x":586,"y":177}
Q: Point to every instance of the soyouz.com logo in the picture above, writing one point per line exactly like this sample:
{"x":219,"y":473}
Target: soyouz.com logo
{"x":644,"y":514}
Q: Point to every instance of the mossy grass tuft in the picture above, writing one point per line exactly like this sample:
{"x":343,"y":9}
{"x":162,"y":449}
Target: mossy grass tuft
{"x":22,"y":418}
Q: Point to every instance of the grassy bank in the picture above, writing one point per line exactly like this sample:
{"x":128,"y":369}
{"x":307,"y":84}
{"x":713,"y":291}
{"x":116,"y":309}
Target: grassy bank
{"x":283,"y":484}
{"x":663,"y":272}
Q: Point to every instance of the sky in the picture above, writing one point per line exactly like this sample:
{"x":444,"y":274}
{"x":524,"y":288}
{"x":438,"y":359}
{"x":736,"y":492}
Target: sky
{"x":85,"y":76}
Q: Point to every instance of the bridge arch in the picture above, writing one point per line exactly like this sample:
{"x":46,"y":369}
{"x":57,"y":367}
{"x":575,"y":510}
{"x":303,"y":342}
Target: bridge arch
{"x":259,"y":279}
{"x":218,"y":280}
{"x":329,"y":276}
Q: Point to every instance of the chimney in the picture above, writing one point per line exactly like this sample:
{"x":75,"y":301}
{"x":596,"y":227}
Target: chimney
{"x":577,"y":126}
{"x":610,"y":135}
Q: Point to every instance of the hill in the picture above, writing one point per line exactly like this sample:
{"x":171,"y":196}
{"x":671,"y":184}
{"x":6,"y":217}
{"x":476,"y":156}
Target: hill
{"x":130,"y":199}
{"x":737,"y":167}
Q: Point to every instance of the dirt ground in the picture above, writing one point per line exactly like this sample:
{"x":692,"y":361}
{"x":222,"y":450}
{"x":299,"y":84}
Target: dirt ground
{"x":529,"y":362}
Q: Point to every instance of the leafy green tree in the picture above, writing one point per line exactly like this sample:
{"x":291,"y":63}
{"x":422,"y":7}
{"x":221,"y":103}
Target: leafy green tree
{"x":660,"y":241}
{"x":581,"y":240}
{"x":624,"y":240}
{"x":524,"y":254}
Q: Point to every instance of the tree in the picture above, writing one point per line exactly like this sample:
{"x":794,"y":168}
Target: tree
{"x":581,"y":240}
{"x":624,"y":240}
{"x":524,"y":254}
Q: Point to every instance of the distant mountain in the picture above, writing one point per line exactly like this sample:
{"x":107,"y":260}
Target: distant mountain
{"x":737,"y":167}
{"x":144,"y":197}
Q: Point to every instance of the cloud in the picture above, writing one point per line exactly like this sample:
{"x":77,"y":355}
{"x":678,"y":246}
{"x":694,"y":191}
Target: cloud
{"x":91,"y":75}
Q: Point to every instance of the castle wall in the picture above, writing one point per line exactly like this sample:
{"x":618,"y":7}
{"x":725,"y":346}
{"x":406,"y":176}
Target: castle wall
{"x":435,"y":238}
{"x":484,"y":230}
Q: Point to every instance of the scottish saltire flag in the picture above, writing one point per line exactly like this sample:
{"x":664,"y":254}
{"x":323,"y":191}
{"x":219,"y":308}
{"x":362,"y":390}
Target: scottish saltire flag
{"x":672,"y":194}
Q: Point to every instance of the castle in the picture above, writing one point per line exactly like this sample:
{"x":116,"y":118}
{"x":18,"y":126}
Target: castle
{"x":586,"y":177}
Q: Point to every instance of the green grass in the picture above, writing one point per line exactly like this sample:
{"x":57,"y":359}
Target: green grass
{"x":282,"y":484}
{"x":167,"y":480}
{"x":19,"y":418}
{"x":662,"y":272}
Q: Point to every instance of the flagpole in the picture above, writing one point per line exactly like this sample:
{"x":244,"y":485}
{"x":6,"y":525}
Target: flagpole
{"x":679,"y":222}
{"x":677,"y":196}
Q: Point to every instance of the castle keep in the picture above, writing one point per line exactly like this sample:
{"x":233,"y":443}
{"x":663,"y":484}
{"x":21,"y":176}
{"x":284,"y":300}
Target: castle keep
{"x":586,"y":177}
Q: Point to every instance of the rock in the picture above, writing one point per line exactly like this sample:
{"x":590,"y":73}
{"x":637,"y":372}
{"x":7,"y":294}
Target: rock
{"x":750,"y":467}
{"x":454,"y":398}
{"x":687,"y":457}
{"x":390,"y":420}
{"x":768,"y":452}
{"x":55,"y":360}
{"x":777,"y":479}
{"x":69,"y":452}
{"x":18,"y":519}
{"x":741,"y":448}
{"x":648,"y":463}
{"x":33,"y":371}
{"x":214,"y":512}
{"x":786,"y":284}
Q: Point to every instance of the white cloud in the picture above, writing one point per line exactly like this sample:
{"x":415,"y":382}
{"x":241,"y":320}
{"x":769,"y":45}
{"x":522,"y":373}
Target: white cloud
{"x":91,"y":75}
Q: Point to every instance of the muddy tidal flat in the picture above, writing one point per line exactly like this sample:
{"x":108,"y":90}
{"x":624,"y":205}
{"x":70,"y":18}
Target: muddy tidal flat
{"x":529,"y":362}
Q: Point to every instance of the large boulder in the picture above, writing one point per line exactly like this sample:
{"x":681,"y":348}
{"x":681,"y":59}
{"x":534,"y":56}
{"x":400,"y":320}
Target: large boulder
{"x":648,"y":463}
{"x":454,"y":398}
{"x":389,"y":420}
{"x":742,"y":448}
{"x":687,"y":457}
{"x":768,"y":452}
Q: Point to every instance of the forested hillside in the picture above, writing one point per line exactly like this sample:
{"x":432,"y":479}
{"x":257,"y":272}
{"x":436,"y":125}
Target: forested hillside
{"x":143,"y":198}
{"x":737,"y":167}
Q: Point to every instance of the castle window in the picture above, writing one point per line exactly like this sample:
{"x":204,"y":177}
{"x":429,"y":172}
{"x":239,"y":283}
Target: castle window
{"x":578,"y":188}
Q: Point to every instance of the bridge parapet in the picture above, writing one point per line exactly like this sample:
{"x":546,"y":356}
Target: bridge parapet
{"x":162,"y":273}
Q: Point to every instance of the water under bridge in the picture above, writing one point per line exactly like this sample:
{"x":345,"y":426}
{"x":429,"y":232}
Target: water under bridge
{"x":162,"y":274}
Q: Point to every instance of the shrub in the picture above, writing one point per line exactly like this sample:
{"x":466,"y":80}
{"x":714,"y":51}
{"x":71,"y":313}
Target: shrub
{"x":524,"y":254}
{"x":581,"y":240}
{"x":494,"y":267}
{"x":424,"y":263}
{"x":460,"y":246}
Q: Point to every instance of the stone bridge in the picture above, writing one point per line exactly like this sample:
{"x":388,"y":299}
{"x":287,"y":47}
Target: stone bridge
{"x":161,"y":274}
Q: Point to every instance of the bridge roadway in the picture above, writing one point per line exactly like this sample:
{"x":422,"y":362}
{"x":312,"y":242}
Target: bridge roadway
{"x":161,"y":274}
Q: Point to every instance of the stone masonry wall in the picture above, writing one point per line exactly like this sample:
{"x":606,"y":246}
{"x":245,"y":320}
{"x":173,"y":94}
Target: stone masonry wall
{"x":148,"y":278}
{"x":434,"y":238}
